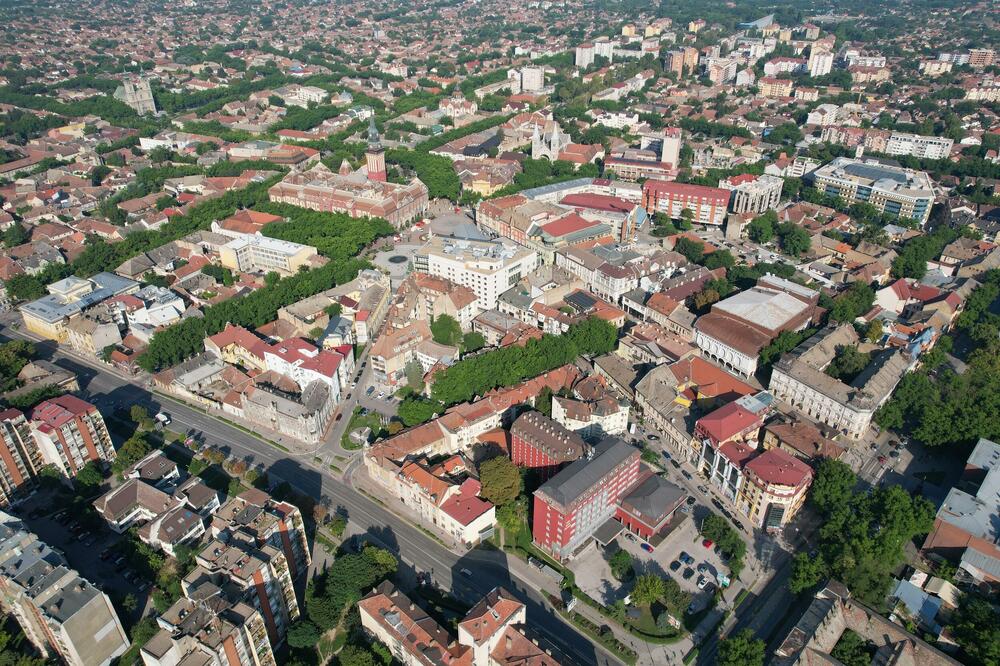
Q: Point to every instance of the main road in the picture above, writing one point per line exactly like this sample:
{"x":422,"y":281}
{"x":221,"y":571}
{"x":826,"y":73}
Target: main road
{"x":109,"y":390}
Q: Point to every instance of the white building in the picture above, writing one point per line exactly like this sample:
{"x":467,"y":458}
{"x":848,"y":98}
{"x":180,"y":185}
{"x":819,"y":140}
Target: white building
{"x":753,"y":194}
{"x":591,"y":419}
{"x":487,"y":268}
{"x":820,"y":63}
{"x":259,"y":253}
{"x":923,"y":147}
{"x":891,"y":189}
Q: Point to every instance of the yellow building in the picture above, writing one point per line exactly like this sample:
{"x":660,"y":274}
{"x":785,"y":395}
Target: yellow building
{"x":774,"y":488}
{"x":263,"y":254}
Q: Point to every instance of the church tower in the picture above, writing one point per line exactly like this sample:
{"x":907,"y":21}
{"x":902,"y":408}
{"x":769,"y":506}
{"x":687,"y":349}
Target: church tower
{"x":375,"y":155}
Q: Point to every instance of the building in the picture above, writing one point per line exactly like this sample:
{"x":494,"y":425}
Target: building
{"x":584,"y":55}
{"x":799,"y":379}
{"x":965,"y":526}
{"x":50,"y":316}
{"x":61,"y":613}
{"x":831,"y":614}
{"x":708,"y":205}
{"x":488,"y":268}
{"x":820,"y":63}
{"x":261,"y":254}
{"x":891,"y":189}
{"x":569,"y":507}
{"x":649,"y":506}
{"x":20,"y":456}
{"x":774,"y":88}
{"x":544,"y":445}
{"x":70,"y":433}
{"x":208,"y":630}
{"x":136,"y":94}
{"x":352,"y":193}
{"x":922,"y":147}
{"x":592,"y":419}
{"x":492,"y":633}
{"x":738,"y":327}
{"x":775,"y":485}
{"x":753,"y":194}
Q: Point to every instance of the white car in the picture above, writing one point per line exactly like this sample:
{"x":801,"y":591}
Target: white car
{"x":381,"y":394}
{"x":702,"y":582}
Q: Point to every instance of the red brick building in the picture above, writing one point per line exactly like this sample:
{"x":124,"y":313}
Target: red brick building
{"x":539,"y":443}
{"x":650,"y":504}
{"x":707,"y":204}
{"x":570,"y":506}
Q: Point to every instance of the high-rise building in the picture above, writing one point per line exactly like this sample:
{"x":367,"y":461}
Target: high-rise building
{"x":20,"y":456}
{"x":820,"y":63}
{"x":979,"y":58}
{"x":584,"y":55}
{"x":71,"y":433}
{"x":541,"y":444}
{"x":570,"y":506}
{"x":753,"y":194}
{"x":62,"y":614}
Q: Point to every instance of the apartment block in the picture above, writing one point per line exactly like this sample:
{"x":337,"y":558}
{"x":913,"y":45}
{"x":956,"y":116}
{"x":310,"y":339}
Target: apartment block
{"x":543,"y":445}
{"x":923,"y":147}
{"x":708,"y":205}
{"x":753,"y":194}
{"x":20,"y":456}
{"x":61,"y":613}
{"x":71,"y":433}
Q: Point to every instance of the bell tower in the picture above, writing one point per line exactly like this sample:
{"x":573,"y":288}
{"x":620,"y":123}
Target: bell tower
{"x":375,"y":155}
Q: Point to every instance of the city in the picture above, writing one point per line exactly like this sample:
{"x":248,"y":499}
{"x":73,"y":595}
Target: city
{"x":467,"y":333}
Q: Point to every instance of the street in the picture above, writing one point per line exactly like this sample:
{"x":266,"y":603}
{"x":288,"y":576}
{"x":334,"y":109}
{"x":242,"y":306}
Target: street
{"x":109,"y":391}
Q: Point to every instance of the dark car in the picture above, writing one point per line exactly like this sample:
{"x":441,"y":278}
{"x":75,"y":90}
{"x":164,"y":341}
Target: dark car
{"x":653,"y":438}
{"x":685,"y":558}
{"x":718,"y":505}
{"x":687,"y":573}
{"x":676,"y":464}
{"x":686,"y":474}
{"x":690,"y":500}
{"x":739,"y":526}
{"x":675,"y":565}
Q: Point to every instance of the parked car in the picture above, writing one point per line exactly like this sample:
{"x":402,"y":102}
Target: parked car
{"x":686,"y":474}
{"x":646,"y":547}
{"x":739,"y":526}
{"x":465,"y":572}
{"x":690,"y":500}
{"x":676,"y":464}
{"x":702,"y":582}
{"x":675,"y":565}
{"x":371,"y":389}
{"x":653,"y":438}
{"x":707,"y":543}
{"x":687,"y":573}
{"x":685,"y":558}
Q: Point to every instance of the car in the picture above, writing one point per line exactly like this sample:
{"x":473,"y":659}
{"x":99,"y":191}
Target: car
{"x":666,"y":455}
{"x":142,"y":586}
{"x":120,"y":561}
{"x":882,"y":460}
{"x":381,"y":394}
{"x":363,"y":364}
{"x":675,"y":565}
{"x":354,"y":385}
{"x":339,"y":416}
{"x":685,"y":558}
{"x":465,"y":572}
{"x":703,"y":567}
{"x":106,"y":554}
{"x":371,"y":389}
{"x":687,"y":573}
{"x":707,"y":543}
{"x":676,"y":464}
{"x":631,"y":537}
{"x":89,"y":541}
{"x":894,"y":453}
{"x":702,"y":582}
{"x":717,"y":504}
{"x":703,"y":489}
{"x":348,"y":397}
{"x":653,"y":438}
{"x":690,"y":500}
{"x":646,"y":547}
{"x":739,"y":526}
{"x":686,"y":474}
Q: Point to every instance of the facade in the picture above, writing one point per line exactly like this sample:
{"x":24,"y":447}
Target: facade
{"x":20,"y":456}
{"x":707,"y":204}
{"x":798,"y":379}
{"x":592,"y":419}
{"x":71,"y":433}
{"x":136,"y":94}
{"x":61,"y":613}
{"x":209,"y":631}
{"x":260,"y":254}
{"x":753,"y":194}
{"x":774,"y":489}
{"x":648,"y":507}
{"x":570,"y":506}
{"x":542,"y":444}
{"x":923,"y":147}
{"x":891,"y":189}
{"x":352,"y":193}
{"x":487,"y":268}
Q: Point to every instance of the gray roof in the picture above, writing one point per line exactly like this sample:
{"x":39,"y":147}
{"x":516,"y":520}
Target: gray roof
{"x":653,"y":499}
{"x":581,"y":476}
{"x":977,"y":514}
{"x":52,"y":308}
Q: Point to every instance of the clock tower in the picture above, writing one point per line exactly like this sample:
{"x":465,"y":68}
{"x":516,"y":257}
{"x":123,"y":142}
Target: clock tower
{"x":375,"y":155}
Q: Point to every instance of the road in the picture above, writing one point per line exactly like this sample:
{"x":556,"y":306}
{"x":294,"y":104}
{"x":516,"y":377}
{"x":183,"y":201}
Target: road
{"x":109,"y":390}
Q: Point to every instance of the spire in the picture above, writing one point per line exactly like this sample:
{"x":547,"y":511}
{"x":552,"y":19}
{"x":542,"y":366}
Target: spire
{"x":374,"y":142}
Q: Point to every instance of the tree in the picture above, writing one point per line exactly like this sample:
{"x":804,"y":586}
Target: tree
{"x":852,"y":650}
{"x":89,"y":477}
{"x":132,"y":451}
{"x":621,"y":565}
{"x":415,"y":410}
{"x":976,"y":628}
{"x":129,"y":603}
{"x":743,"y":649}
{"x":761,"y":228}
{"x":500,"y":479}
{"x":446,"y":331}
{"x":138,"y":414}
{"x":414,"y":374}
{"x":794,"y":240}
{"x":304,"y":634}
{"x":648,"y":588}
{"x":855,"y":301}
{"x":353,"y":655}
{"x":785,"y":133}
{"x":874,"y":331}
{"x":473,"y":341}
{"x":15,"y":235}
{"x":693,"y":251}
{"x":847,"y":363}
{"x":807,"y":573}
{"x":832,"y":486}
